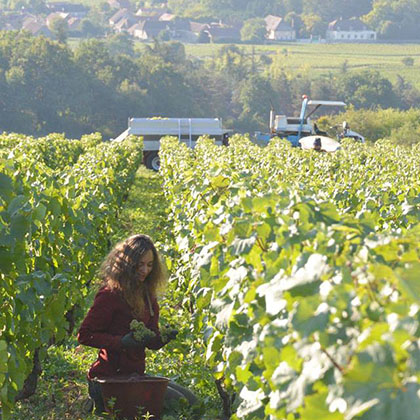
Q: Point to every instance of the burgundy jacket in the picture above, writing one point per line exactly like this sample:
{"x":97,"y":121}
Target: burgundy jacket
{"x":107,"y":321}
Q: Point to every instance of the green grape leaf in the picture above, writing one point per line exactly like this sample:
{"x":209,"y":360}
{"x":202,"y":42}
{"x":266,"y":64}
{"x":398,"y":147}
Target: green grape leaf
{"x":409,"y":279}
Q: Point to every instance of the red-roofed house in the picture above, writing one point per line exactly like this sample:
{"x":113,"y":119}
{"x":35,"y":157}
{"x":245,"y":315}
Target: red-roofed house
{"x":56,"y":15}
{"x":121,"y":14}
{"x":36,"y":27}
{"x":167,"y":17}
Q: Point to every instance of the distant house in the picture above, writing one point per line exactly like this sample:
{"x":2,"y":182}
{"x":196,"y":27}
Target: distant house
{"x":14,"y":21}
{"x":75,"y":10}
{"x":221,"y":33}
{"x":56,"y":15}
{"x":349,"y":30}
{"x":167,"y":17}
{"x":120,"y":4}
{"x":184,"y":36}
{"x":121,"y":14}
{"x":37,"y":27}
{"x":152,"y":12}
{"x":124,"y":24}
{"x":132,"y":29}
{"x":197,"y":30}
{"x":74,"y":24}
{"x":149,"y":29}
{"x":278,"y":29}
{"x":197,"y":27}
{"x":180,"y":30}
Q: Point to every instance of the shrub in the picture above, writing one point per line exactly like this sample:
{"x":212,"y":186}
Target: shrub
{"x":408,"y":61}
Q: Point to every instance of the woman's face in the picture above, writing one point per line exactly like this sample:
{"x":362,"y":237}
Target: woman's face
{"x":145,"y":265}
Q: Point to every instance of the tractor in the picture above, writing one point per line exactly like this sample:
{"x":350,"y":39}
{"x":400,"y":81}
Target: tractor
{"x":302,"y":132}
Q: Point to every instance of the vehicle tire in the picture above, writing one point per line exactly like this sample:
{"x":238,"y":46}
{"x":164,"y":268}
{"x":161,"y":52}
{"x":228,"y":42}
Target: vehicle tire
{"x":152,"y":161}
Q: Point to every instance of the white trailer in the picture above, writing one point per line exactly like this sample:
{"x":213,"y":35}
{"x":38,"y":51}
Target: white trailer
{"x":188,"y":130}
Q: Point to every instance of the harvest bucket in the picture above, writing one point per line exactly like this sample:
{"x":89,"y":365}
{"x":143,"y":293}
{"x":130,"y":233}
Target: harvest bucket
{"x":126,"y":395}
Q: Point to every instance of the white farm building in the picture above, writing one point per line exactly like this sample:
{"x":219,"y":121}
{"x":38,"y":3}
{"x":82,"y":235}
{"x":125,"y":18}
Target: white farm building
{"x":349,"y":30}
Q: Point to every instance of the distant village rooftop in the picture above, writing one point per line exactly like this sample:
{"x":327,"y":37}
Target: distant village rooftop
{"x":352,"y":24}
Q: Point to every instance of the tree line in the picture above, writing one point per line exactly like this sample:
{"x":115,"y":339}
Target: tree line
{"x":47,"y":87}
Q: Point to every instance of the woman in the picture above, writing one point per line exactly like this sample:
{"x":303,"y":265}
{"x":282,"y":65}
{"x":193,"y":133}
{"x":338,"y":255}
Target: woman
{"x":132,"y":278}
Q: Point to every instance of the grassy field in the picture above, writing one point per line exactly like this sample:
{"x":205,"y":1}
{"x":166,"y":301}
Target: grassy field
{"x":322,"y":59}
{"x":314,"y":60}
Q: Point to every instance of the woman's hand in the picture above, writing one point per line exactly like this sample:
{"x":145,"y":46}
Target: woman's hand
{"x":129,"y":342}
{"x":172,"y":334}
{"x":168,"y":334}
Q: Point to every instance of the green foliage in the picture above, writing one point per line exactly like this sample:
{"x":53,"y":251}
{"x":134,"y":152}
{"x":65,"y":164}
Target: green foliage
{"x":61,"y":386}
{"x":366,"y":87}
{"x":314,"y":25}
{"x":253,"y":93}
{"x":172,"y":52}
{"x":231,"y":61}
{"x":89,"y":29}
{"x":119,"y":44}
{"x":408,"y":61}
{"x":245,"y":9}
{"x":301,"y":267}
{"x":45,"y":87}
{"x":253,"y":30}
{"x":58,"y":203}
{"x":398,"y":126}
{"x":395,"y":20}
{"x":60,"y":29}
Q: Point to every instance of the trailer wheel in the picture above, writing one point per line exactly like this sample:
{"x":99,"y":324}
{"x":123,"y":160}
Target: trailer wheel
{"x":152,"y":161}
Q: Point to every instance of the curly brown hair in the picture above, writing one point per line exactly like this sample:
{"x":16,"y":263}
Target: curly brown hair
{"x":119,"y":271}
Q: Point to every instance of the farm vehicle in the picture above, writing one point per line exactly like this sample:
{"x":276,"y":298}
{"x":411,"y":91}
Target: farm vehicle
{"x":303,"y":132}
{"x":188,"y":130}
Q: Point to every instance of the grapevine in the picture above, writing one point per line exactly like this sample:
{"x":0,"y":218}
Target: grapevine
{"x":303,"y":271}
{"x":59,"y":200}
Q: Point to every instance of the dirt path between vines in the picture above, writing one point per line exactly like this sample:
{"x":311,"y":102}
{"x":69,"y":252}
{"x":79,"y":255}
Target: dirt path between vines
{"x":144,"y":210}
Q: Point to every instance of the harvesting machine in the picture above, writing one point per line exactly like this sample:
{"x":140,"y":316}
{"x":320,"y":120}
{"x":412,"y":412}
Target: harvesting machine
{"x":302,"y":132}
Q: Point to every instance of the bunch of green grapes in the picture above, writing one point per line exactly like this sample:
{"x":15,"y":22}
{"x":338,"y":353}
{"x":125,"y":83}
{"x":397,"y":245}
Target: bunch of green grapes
{"x":140,"y":331}
{"x":166,"y":333}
